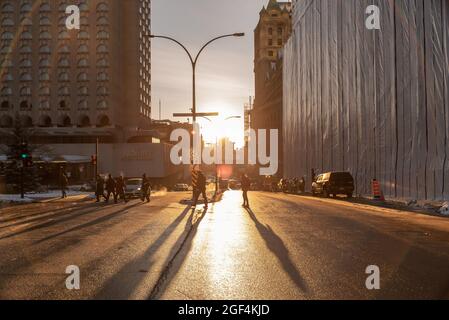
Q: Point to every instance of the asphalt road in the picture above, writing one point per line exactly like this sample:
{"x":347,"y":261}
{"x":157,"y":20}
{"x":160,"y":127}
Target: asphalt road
{"x":284,"y":247}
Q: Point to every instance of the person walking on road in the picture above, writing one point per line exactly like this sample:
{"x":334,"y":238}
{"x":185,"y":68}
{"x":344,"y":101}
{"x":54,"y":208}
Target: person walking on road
{"x":64,"y":183}
{"x":200,"y":190}
{"x":302,"y":185}
{"x":110,"y":188}
{"x":99,"y":188}
{"x":246,"y":185}
{"x":146,"y":189}
{"x":120,"y":189}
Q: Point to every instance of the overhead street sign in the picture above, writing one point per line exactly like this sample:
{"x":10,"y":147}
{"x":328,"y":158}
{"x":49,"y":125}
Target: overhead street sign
{"x":198,"y":114}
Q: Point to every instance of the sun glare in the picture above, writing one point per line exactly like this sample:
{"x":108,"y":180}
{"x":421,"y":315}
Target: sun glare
{"x":223,"y":126}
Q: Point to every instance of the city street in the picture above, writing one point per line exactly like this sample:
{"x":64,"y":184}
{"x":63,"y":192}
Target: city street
{"x":284,"y":247}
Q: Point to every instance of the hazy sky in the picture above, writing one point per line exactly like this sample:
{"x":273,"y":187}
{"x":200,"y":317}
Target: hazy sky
{"x":225,"y":77}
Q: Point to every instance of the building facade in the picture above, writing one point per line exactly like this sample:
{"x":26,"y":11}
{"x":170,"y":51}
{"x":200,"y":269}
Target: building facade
{"x":271,"y":34}
{"x":70,"y":88}
{"x":97,"y":76}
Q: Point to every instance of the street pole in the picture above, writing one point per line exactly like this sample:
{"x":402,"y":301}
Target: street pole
{"x":96,"y":160}
{"x":216,"y":167}
{"x":194,"y":62}
{"x":22,"y":188}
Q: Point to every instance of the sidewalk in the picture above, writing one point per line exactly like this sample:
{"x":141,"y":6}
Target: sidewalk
{"x":430,"y":207}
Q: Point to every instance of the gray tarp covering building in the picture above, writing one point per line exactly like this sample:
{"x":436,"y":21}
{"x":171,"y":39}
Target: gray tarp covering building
{"x":374,"y":102}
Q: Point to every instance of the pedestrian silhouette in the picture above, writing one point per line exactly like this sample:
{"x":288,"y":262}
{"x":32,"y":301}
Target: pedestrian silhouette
{"x":120,"y":189}
{"x":99,"y":188}
{"x":110,"y":188}
{"x":246,"y":185}
{"x":64,"y":182}
{"x":145,"y":189}
{"x":200,"y":190}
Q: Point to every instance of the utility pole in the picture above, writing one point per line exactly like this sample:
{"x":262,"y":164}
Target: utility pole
{"x":96,"y":158}
{"x":160,"y":110}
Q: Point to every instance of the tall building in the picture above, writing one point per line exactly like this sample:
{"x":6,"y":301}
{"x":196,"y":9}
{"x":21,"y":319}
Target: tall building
{"x":70,"y":87}
{"x":271,"y":34}
{"x":97,"y":76}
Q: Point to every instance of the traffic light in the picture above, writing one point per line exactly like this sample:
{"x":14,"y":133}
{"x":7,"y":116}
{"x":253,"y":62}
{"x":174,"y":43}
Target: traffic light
{"x":94,"y":159}
{"x":25,"y":155}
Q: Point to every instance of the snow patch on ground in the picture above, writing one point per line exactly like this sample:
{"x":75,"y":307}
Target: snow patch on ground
{"x":33,"y":197}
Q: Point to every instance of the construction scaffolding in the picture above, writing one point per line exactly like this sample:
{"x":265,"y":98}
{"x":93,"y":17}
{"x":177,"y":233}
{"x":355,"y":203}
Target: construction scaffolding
{"x":372,"y":102}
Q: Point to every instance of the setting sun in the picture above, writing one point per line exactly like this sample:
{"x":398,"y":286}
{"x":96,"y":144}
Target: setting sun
{"x":227,"y":124}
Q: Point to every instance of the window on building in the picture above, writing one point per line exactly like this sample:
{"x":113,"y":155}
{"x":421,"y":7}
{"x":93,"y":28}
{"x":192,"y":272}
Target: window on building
{"x":45,"y":122}
{"x":62,"y":104}
{"x":7,"y":22}
{"x":5,"y":105}
{"x":102,"y":7}
{"x":7,"y":8}
{"x":82,"y":77}
{"x":24,"y":105}
{"x":26,"y":121}
{"x":65,"y":121}
{"x":102,"y":105}
{"x":63,"y":91}
{"x":103,"y":121}
{"x":45,"y":35}
{"x":7,"y":36}
{"x":84,"y":122}
{"x":83,"y":105}
{"x":44,"y":76}
{"x":25,"y":91}
{"x":83,"y":91}
{"x":6,"y":121}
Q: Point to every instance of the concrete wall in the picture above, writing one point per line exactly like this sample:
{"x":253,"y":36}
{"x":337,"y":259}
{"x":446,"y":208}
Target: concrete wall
{"x":131,"y":160}
{"x":374,"y":102}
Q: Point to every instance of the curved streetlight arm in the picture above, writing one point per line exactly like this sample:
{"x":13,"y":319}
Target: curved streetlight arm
{"x":215,"y":39}
{"x":233,"y":117}
{"x":207,"y":118}
{"x":179,"y":43}
{"x":195,"y":61}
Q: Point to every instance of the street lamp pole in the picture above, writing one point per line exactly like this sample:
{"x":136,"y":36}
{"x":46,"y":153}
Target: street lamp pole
{"x":194,"y":62}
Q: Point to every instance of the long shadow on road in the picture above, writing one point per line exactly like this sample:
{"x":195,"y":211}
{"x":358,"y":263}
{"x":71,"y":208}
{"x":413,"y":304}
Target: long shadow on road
{"x":178,"y":252}
{"x":91,"y":223}
{"x":277,"y":246}
{"x":45,"y":215}
{"x":24,"y":261}
{"x":128,"y":278}
{"x":73,"y":215}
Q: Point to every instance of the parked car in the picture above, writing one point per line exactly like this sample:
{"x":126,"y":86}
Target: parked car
{"x":181,"y":187}
{"x":333,"y":183}
{"x":133,"y":188}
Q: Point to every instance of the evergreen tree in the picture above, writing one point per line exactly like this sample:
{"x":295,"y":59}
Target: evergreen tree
{"x":14,"y":168}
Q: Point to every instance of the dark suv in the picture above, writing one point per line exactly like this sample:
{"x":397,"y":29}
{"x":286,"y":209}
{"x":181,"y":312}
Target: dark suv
{"x":333,"y":183}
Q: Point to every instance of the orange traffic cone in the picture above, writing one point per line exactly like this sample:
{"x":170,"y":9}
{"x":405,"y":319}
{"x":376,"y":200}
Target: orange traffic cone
{"x":377,"y":191}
